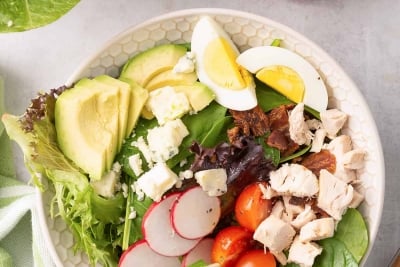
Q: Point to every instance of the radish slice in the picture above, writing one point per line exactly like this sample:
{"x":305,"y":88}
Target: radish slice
{"x":195,"y":214}
{"x":159,"y":233}
{"x":140,"y":254}
{"x":202,"y":251}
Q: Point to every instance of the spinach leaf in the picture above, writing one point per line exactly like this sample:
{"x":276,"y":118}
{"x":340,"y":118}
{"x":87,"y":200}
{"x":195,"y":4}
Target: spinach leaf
{"x":269,"y":152}
{"x":334,"y":254}
{"x":22,"y":15}
{"x":208,"y":127}
{"x":353,"y":232}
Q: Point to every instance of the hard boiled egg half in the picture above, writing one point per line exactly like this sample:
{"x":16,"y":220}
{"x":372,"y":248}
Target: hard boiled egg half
{"x":216,"y":66}
{"x":288,"y":73}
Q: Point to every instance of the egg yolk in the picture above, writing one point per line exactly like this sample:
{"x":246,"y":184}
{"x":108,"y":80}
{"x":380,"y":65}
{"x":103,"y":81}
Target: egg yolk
{"x":283,"y":79}
{"x":221,"y":67}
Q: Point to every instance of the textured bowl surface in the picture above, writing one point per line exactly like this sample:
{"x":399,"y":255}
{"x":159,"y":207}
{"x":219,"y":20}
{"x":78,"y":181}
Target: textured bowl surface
{"x":247,"y":30}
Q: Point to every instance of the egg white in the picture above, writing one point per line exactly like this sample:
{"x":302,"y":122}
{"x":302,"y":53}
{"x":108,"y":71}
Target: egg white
{"x":205,"y":31}
{"x":256,"y":58}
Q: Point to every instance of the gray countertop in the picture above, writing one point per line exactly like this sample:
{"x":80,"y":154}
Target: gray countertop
{"x":362,"y":36}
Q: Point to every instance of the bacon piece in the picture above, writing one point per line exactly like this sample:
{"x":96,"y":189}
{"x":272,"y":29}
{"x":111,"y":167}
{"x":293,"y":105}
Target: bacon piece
{"x":315,"y":162}
{"x":279,"y":117}
{"x":251,"y":122}
{"x":234,"y":135}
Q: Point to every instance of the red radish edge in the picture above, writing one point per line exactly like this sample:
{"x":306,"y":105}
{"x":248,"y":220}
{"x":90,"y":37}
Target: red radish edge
{"x":159,"y":233}
{"x":140,"y":254}
{"x":202,"y":251}
{"x":195,"y":214}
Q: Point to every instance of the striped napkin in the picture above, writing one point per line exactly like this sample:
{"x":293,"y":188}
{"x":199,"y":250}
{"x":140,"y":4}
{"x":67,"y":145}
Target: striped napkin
{"x":18,"y":212}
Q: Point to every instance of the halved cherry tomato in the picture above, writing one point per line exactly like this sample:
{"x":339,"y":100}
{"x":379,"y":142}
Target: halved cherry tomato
{"x":251,"y":208}
{"x":229,"y":244}
{"x":256,"y":258}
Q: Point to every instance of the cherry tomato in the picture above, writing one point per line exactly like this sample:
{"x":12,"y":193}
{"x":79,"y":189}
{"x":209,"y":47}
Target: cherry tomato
{"x":229,"y":244}
{"x":251,"y":208}
{"x":256,"y":258}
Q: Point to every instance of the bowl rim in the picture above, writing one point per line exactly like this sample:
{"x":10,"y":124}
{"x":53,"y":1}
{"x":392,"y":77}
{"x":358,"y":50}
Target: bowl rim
{"x":265,"y":21}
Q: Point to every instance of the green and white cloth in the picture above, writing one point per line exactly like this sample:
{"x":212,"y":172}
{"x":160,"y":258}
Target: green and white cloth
{"x":21,"y":240}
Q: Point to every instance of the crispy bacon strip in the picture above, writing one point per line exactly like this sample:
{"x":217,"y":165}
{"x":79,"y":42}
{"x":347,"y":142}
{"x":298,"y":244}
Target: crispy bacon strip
{"x":315,"y":162}
{"x":251,"y":122}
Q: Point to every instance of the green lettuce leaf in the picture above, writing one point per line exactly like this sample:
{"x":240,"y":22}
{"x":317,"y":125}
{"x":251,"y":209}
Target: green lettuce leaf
{"x":92,"y":219}
{"x":22,"y":15}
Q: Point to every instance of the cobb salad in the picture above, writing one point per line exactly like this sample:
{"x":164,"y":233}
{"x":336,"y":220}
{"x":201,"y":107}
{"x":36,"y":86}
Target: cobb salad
{"x":200,"y":155}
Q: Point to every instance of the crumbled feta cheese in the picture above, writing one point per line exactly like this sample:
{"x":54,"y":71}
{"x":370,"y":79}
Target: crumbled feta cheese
{"x":135,"y":162}
{"x":213,"y":181}
{"x":164,"y":141}
{"x":298,"y":128}
{"x":132,"y":213}
{"x":294,"y":179}
{"x":109,"y":183}
{"x":10,"y":23}
{"x":166,"y":104}
{"x":185,"y":64}
{"x":140,"y":143}
{"x":157,"y":181}
{"x":124,"y":188}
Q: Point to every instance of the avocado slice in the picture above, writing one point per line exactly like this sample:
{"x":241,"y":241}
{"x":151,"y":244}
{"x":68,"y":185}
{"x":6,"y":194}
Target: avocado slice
{"x":170,"y":78}
{"x":83,"y":121}
{"x":124,"y":104}
{"x":144,"y":66}
{"x":198,"y":94}
{"x":139,"y":97}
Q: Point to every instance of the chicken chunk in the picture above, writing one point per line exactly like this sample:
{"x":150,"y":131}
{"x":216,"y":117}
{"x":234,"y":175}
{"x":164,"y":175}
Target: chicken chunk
{"x":339,"y":146}
{"x":307,"y":215}
{"x":334,"y":195}
{"x":294,"y":179}
{"x":317,"y":229}
{"x":298,"y":128}
{"x":274,"y":233}
{"x":303,"y":253}
{"x":332,"y":121}
{"x":354,"y":159}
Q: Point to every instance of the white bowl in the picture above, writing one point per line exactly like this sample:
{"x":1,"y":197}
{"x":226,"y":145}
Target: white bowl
{"x":247,"y":30}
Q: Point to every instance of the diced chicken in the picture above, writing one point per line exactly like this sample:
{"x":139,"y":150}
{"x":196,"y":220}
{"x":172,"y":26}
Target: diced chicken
{"x":354,"y":159}
{"x":314,"y":124}
{"x":318,"y":140}
{"x":291,"y":209}
{"x":267,"y":191}
{"x":278,"y":209}
{"x":294,"y":179}
{"x":306,"y":216}
{"x":317,"y":229}
{"x":357,"y":199}
{"x":303,"y":253}
{"x":274,"y":233}
{"x":298,"y":129}
{"x":339,"y":146}
{"x":332,"y":121}
{"x":334,"y":195}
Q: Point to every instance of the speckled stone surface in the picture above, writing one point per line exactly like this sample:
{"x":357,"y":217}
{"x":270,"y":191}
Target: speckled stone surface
{"x":362,"y":36}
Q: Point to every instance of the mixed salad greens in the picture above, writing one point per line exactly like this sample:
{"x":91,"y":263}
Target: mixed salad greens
{"x":104,"y":227}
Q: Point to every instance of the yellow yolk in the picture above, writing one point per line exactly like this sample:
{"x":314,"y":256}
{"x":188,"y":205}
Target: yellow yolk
{"x":220,"y":65}
{"x":283,"y":79}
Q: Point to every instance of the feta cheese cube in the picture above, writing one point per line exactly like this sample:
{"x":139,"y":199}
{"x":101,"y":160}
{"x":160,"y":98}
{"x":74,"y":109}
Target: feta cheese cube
{"x":157,"y":181}
{"x":166,"y":104}
{"x":212,"y":181}
{"x":164,"y":141}
{"x":135,"y":162}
